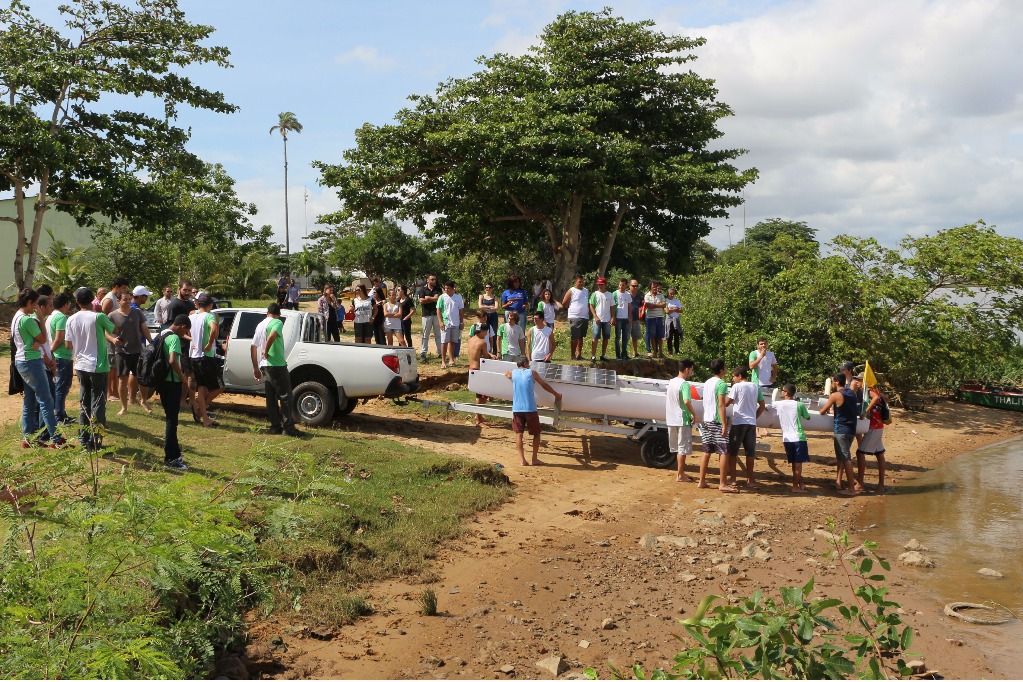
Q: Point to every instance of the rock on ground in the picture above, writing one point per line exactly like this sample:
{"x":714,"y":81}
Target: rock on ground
{"x":916,"y":559}
{"x":914,"y":546}
{"x":990,"y":573}
{"x":554,"y":665}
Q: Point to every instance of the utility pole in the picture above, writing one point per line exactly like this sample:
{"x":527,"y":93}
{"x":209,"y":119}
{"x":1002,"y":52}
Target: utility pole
{"x":729,"y":226}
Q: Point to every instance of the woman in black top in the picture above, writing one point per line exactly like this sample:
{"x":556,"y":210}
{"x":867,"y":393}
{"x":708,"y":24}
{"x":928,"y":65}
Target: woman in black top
{"x":488,"y":303}
{"x":379,"y":337}
{"x":408,"y":306}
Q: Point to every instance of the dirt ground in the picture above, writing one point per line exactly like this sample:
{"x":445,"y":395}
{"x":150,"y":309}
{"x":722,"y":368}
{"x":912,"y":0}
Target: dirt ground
{"x":542,"y":574}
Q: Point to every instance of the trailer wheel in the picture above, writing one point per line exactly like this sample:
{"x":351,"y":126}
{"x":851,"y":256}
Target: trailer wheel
{"x":312,"y":403}
{"x":655,"y":450}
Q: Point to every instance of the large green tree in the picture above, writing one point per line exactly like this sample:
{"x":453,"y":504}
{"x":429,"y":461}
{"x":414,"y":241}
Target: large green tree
{"x":58,"y":135}
{"x":602,"y":117}
{"x":379,"y":247}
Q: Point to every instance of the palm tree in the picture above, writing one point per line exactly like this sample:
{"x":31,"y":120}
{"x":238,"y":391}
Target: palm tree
{"x":286,"y":123}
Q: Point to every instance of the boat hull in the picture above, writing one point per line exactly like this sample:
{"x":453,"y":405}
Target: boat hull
{"x":630,"y":399}
{"x":996,"y":399}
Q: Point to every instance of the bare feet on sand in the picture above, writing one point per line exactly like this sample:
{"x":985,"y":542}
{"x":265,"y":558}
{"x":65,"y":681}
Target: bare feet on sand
{"x":683,"y":479}
{"x":728,"y":489}
{"x":797,"y":489}
{"x":536,"y":462}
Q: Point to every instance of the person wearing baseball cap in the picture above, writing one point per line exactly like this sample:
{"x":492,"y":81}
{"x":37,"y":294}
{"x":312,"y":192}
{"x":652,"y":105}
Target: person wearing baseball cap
{"x":139,"y":296}
{"x":601,"y":308}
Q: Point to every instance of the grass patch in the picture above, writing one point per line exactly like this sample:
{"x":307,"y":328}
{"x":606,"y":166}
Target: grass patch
{"x":332,"y":512}
{"x":428,"y":602}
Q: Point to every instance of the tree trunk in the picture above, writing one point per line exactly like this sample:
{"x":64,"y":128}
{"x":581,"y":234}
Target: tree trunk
{"x":19,"y":250}
{"x":609,"y":242}
{"x":566,"y":258}
{"x":37,"y":229}
{"x":287,"y":235}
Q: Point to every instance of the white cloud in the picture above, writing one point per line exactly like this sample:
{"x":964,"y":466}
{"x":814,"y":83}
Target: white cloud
{"x":367,"y":56}
{"x":269,"y":201}
{"x":877,"y":119}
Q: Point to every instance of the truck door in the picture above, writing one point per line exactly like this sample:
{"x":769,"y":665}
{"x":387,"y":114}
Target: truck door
{"x":238,"y":366}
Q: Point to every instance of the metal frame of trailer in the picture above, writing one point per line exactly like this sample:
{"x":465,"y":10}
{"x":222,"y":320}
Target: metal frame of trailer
{"x":652,"y":435}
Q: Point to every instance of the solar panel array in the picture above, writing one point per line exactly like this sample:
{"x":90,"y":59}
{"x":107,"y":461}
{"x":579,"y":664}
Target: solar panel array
{"x":576,"y":374}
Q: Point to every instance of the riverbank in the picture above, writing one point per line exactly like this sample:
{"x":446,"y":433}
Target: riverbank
{"x":541,"y":574}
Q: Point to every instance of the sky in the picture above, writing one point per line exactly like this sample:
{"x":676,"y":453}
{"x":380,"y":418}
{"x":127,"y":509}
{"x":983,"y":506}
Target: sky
{"x":877,"y":119}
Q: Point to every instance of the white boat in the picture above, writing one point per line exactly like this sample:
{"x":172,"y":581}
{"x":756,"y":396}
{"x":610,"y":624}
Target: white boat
{"x":597,"y":391}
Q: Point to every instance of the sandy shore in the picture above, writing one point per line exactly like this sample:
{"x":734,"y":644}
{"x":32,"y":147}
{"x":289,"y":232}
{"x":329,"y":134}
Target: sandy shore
{"x":541,"y":574}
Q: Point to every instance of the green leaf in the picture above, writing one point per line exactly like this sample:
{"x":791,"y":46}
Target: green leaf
{"x":808,"y":587}
{"x":907,"y":638}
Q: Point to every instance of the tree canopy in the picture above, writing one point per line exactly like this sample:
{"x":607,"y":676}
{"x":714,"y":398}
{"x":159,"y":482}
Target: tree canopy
{"x":934,"y":311}
{"x":57,"y":133}
{"x":602,"y":118}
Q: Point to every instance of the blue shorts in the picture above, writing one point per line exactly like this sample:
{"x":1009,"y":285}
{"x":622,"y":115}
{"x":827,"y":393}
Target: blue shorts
{"x":797,"y":453}
{"x":601,"y":330}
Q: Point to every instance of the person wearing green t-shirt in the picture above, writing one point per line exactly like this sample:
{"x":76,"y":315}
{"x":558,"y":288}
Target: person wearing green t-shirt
{"x":273,"y":367}
{"x":56,"y":324}
{"x":37,"y":404}
{"x":715,"y":425}
{"x":170,"y":390}
{"x":678,"y":416}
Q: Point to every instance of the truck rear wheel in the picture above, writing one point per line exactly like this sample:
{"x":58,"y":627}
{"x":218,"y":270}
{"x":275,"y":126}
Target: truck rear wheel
{"x":655,"y":450}
{"x":313,"y":403}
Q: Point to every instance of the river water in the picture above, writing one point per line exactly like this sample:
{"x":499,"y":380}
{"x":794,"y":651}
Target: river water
{"x":968,"y":512}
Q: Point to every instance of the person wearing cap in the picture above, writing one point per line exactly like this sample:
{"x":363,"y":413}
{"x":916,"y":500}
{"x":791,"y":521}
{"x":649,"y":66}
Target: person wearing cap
{"x":129,"y":326}
{"x":202,"y":357}
{"x":271,"y":367}
{"x":524,"y":414}
{"x":479,"y":349}
{"x":87,"y":336}
{"x":139,"y":296}
{"x":576,"y":300}
{"x":602,"y":310}
{"x":843,"y":401}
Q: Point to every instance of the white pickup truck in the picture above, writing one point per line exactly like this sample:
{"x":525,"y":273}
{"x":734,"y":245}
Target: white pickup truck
{"x":326,"y":378}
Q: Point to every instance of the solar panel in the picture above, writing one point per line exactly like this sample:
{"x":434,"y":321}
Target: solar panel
{"x":576,"y":374}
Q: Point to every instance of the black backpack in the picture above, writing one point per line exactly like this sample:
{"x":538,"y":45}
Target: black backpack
{"x":15,"y":384}
{"x":154,"y":366}
{"x":886,"y":413}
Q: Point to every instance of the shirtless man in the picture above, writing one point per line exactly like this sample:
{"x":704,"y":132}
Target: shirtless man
{"x":478,"y":350}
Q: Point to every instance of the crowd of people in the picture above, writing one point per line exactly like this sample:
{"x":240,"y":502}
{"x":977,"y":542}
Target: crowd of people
{"x":726,"y":434}
{"x":101,"y":338}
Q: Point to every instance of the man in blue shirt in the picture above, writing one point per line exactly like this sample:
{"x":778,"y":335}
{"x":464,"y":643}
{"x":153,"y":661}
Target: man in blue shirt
{"x":524,"y":414}
{"x":514,"y":299}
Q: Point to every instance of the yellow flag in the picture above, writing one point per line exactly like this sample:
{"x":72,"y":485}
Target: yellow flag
{"x":869,"y":380}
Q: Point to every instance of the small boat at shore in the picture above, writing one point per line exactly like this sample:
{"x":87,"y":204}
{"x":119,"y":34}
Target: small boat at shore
{"x":991,"y":396}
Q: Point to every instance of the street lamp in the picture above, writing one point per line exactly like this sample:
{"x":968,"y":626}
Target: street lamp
{"x":729,"y":226}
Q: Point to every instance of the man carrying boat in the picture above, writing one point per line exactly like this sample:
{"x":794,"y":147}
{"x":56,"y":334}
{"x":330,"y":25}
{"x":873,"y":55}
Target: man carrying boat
{"x":524,"y":413}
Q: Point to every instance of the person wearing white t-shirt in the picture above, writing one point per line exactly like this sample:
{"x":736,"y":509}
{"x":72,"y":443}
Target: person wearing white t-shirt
{"x":747,"y":403}
{"x":623,"y":319}
{"x":450,"y":324}
{"x":577,"y":300}
{"x":678,"y":416}
{"x":763,"y":371}
{"x":602,"y":309}
{"x":715,"y":425}
{"x":791,"y":414}
{"x":540,"y":341}
{"x":763,"y":365}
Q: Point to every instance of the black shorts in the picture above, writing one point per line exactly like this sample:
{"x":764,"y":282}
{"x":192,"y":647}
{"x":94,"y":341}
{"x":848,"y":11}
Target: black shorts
{"x":207,"y":373}
{"x":744,"y":436}
{"x":126,"y":363}
{"x":577,"y":327}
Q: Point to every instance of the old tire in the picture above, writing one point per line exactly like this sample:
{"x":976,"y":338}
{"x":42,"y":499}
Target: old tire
{"x":655,"y":451}
{"x":998,"y":616}
{"x":313,"y":403}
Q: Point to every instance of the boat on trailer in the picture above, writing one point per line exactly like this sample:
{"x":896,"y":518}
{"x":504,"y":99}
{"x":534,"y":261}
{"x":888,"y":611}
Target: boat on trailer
{"x":598,"y":399}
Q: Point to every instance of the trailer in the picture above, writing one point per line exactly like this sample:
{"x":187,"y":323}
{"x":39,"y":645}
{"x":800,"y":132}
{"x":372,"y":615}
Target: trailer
{"x":637,"y":400}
